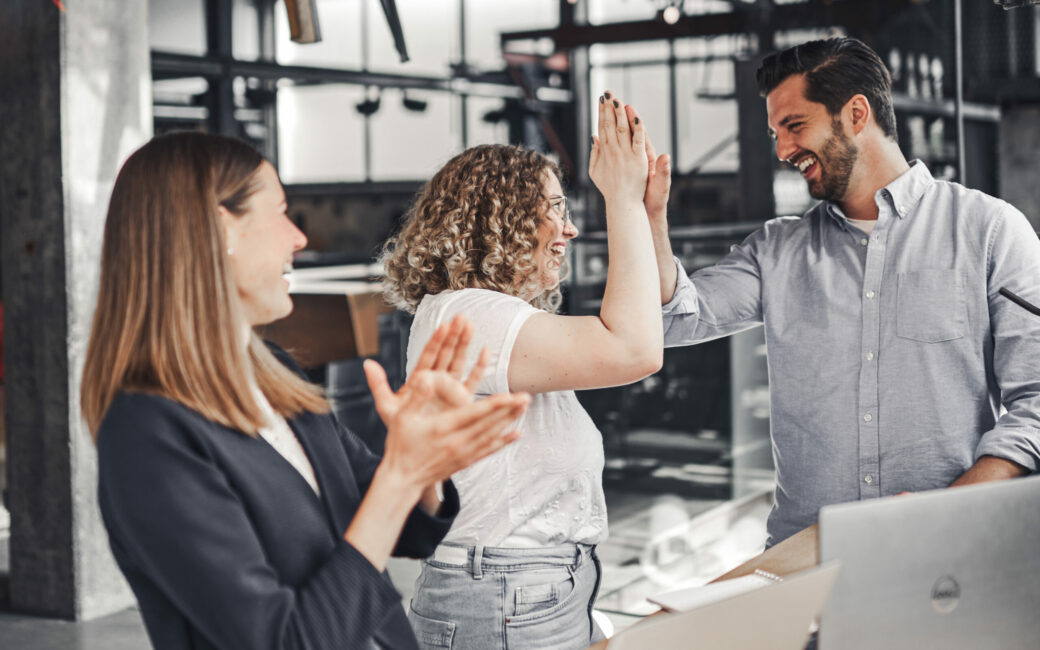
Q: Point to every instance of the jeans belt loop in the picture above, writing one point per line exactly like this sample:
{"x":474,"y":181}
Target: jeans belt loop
{"x":478,"y":560}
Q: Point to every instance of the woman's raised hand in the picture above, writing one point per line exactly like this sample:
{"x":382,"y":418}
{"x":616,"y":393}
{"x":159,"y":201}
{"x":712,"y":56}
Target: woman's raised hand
{"x":434,"y":428}
{"x":618,"y":161}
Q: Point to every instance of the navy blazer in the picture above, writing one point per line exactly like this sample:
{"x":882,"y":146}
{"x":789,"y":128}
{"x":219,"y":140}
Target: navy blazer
{"x":225,"y":544}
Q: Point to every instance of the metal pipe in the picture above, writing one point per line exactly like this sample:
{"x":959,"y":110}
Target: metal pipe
{"x":463,"y":66}
{"x":958,"y":64}
{"x":673,"y":101}
{"x":367,"y":123}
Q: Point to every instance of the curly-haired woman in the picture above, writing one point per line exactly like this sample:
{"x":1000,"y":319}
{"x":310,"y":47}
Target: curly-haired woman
{"x":486,"y":238}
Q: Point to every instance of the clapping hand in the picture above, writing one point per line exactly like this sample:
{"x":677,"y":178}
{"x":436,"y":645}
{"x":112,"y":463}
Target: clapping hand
{"x":434,"y":428}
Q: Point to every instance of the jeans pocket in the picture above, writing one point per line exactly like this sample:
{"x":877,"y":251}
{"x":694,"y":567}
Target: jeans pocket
{"x":535,"y":601}
{"x":930,"y":306}
{"x":431,"y":633}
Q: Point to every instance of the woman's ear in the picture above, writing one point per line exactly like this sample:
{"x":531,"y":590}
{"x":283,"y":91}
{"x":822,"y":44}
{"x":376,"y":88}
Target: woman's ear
{"x":858,"y":109}
{"x":230,"y":226}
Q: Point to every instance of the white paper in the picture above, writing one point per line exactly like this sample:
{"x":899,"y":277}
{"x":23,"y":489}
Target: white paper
{"x":684,"y":600}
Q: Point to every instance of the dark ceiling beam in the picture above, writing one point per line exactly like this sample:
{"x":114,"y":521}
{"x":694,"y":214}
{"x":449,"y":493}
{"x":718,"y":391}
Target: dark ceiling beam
{"x":856,"y":15}
{"x":169,"y":65}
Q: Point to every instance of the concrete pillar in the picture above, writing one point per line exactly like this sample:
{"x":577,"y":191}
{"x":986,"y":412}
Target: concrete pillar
{"x":1019,"y":157}
{"x":75,"y":100}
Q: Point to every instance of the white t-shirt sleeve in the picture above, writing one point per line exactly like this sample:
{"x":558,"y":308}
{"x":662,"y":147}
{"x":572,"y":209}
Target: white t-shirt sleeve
{"x":496,"y":318}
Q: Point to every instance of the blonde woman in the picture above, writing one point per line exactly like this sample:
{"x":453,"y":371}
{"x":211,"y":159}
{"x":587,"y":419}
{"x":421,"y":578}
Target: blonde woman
{"x":241,"y":513}
{"x":486,"y":238}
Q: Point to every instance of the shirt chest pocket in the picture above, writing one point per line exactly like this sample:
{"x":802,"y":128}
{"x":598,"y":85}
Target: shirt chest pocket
{"x":930,"y":306}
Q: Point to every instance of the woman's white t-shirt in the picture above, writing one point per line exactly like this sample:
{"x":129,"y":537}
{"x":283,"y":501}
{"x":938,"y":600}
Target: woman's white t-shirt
{"x":546,"y":488}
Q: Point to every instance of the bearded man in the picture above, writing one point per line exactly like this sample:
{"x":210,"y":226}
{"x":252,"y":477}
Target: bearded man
{"x":895,"y":361}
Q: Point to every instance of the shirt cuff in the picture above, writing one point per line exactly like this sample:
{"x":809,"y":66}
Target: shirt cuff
{"x":1016,"y":445}
{"x":684,"y":300}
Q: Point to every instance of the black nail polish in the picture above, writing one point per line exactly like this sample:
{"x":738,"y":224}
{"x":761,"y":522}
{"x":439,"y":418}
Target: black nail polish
{"x":607,"y":94}
{"x":637,"y":120}
{"x":601,"y":100}
{"x":616,"y":105}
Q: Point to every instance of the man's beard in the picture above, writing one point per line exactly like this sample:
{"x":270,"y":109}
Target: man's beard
{"x":836,"y":159}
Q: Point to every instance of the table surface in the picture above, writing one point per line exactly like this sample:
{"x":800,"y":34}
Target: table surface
{"x":796,"y":553}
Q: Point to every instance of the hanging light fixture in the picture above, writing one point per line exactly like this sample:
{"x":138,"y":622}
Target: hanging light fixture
{"x":671,"y":13}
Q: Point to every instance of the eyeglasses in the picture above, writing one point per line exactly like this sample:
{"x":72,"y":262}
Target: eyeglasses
{"x":560,"y":206}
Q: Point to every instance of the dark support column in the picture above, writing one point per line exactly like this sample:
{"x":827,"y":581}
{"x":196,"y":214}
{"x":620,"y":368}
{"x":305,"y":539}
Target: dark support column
{"x":268,"y":52}
{"x":74,"y":101}
{"x":221,"y":95}
{"x":756,"y":149}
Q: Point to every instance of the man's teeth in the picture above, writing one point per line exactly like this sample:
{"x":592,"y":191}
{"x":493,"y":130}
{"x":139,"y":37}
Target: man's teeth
{"x":804,"y":163}
{"x":287,"y":269}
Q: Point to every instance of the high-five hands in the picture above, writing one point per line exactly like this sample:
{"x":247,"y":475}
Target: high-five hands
{"x":618,"y":161}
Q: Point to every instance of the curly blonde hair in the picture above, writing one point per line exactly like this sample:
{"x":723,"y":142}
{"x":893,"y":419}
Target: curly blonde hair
{"x":474,"y":225}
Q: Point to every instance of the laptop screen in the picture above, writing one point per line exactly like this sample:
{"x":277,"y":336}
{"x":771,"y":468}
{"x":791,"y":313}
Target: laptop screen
{"x":953,"y":569}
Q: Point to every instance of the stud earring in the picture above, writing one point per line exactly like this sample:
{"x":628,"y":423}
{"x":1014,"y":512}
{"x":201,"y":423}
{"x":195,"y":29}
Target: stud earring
{"x":230,"y":251}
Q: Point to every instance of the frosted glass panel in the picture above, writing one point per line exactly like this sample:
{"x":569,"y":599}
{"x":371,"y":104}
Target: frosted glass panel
{"x":431,"y":34}
{"x":412,"y":146}
{"x":177,"y":26}
{"x":705,"y":123}
{"x":616,"y":11}
{"x":340,"y":47}
{"x":320,"y":134}
{"x":481,"y":132}
{"x":628,"y":52}
{"x":486,"y":20}
{"x":245,"y":37}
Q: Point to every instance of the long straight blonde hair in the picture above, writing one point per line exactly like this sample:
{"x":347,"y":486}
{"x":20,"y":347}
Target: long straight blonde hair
{"x":167,"y":317}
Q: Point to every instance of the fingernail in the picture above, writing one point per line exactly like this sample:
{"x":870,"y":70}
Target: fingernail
{"x":637,"y":120}
{"x":607,"y":94}
{"x":616,"y":105}
{"x":601,"y":100}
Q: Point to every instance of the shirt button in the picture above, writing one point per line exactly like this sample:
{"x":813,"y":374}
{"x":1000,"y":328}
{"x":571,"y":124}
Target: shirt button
{"x":870,"y":294}
{"x":867,"y":417}
{"x":901,"y":208}
{"x":863,"y":241}
{"x":868,"y":479}
{"x":870,"y":356}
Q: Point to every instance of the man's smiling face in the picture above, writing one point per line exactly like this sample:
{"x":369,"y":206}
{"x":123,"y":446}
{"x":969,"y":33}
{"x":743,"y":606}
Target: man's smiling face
{"x":811,"y":139}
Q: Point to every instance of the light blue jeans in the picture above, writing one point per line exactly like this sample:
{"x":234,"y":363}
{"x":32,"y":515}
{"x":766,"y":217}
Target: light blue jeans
{"x":487,"y":598}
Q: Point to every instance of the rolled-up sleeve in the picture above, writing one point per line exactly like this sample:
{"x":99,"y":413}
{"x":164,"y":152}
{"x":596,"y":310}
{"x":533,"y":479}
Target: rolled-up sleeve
{"x":718,"y":300}
{"x":1014,"y":264}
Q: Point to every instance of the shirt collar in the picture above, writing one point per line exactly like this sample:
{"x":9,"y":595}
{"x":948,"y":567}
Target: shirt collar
{"x":902,"y":194}
{"x":905,"y":191}
{"x":834,"y":211}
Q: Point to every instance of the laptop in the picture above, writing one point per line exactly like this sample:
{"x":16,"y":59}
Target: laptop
{"x":777,"y":616}
{"x":956,"y":569}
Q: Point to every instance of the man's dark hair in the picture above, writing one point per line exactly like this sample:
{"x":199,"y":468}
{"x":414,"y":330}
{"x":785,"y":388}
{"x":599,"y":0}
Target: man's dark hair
{"x":835,"y":70}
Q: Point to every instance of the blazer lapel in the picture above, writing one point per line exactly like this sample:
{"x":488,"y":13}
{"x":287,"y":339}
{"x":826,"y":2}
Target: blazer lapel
{"x":339,"y":492}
